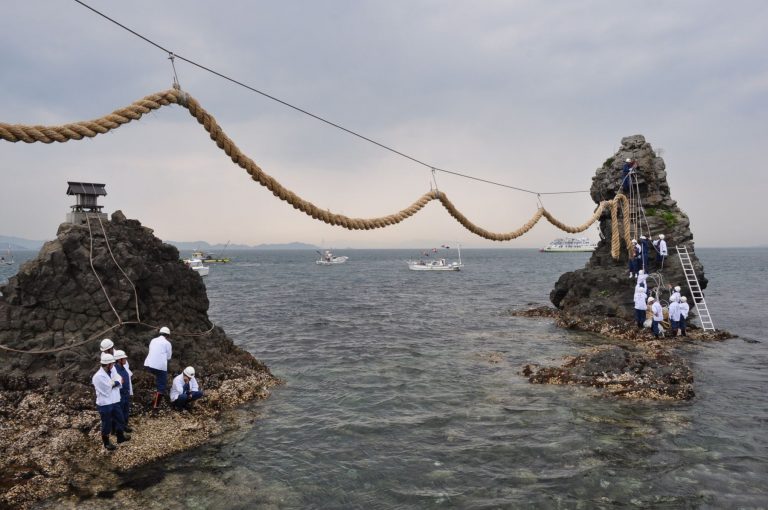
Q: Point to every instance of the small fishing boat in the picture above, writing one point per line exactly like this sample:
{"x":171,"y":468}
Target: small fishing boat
{"x":197,"y":266}
{"x":440,"y":264}
{"x":327,"y":258}
{"x":209,"y":257}
{"x":7,"y":259}
{"x":570,"y":245}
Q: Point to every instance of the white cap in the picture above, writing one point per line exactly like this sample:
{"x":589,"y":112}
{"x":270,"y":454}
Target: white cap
{"x":628,"y":160}
{"x":107,"y":358}
{"x":106,"y":344}
{"x":674,"y":299}
{"x":189,"y":372}
{"x":119,"y":354}
{"x":651,"y":299}
{"x":683,"y":299}
{"x":634,"y":241}
{"x":165,"y":331}
{"x":642,"y":271}
{"x":643,"y":237}
{"x":661,"y":236}
{"x":677,"y":288}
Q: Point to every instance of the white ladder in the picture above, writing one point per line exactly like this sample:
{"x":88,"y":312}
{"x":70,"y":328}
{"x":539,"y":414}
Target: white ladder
{"x":696,"y":292}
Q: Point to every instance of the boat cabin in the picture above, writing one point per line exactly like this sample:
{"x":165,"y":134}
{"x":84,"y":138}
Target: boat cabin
{"x":87,"y":194}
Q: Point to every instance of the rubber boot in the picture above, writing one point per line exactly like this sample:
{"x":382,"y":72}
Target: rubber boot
{"x":121,"y":437}
{"x":109,"y":446}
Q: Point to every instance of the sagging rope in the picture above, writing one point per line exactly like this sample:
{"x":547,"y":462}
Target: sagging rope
{"x":92,"y":128}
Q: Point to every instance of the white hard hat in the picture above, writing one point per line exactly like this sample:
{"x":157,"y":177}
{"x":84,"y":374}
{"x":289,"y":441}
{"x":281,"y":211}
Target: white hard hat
{"x":106,"y":344}
{"x":661,"y":236}
{"x":165,"y":331}
{"x":674,"y":299}
{"x":107,"y":358}
{"x":634,"y":241}
{"x":683,"y":299}
{"x":628,"y":160}
{"x":119,"y":354}
{"x":189,"y":372}
{"x":651,"y":299}
{"x":677,"y":288}
{"x":643,"y":237}
{"x":642,"y":271}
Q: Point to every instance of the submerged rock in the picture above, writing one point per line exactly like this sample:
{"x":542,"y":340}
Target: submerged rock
{"x":649,"y":372}
{"x":62,"y":304}
{"x":602,"y":288}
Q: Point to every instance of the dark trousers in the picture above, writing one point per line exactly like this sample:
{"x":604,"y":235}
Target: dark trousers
{"x":660,"y":261}
{"x":111,"y":418}
{"x":682,"y":325}
{"x":161,"y":379}
{"x":186,"y":398}
{"x":125,"y":407}
{"x":655,"y":328}
{"x":640,"y":317}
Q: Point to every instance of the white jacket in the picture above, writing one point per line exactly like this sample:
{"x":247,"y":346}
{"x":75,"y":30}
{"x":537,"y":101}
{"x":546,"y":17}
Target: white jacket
{"x":641,"y":301}
{"x":684,"y":308}
{"x":178,"y":386}
{"x":658,"y":312}
{"x":641,"y":278}
{"x":160,"y":352}
{"x":661,"y":247}
{"x":675,"y":296}
{"x":674,"y":311}
{"x":107,"y":392}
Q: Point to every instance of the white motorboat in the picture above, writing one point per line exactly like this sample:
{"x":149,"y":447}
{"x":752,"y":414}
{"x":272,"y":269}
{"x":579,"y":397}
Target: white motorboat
{"x":436,"y":264}
{"x":327,"y":258}
{"x":197,"y":266}
{"x":570,"y":245}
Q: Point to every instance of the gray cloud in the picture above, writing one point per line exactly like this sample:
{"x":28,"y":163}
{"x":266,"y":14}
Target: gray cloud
{"x":531,"y":94}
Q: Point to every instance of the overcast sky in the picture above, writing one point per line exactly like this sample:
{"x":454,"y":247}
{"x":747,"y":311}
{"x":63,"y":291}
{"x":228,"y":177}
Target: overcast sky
{"x":532,"y":94}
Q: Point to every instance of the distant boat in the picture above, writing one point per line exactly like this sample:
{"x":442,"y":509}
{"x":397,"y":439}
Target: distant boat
{"x":436,"y":264}
{"x":327,"y":258}
{"x":197,"y":266}
{"x":209,"y":257}
{"x":570,"y":245}
{"x":7,"y":259}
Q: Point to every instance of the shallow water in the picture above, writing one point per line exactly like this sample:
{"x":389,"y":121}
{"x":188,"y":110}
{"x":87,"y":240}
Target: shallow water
{"x":391,"y":400}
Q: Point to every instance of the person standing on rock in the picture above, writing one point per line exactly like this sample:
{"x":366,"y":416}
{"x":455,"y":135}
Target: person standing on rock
{"x":641,"y":278}
{"x":185,"y":389}
{"x":684,"y":309}
{"x":107,"y":384}
{"x":674,"y":315}
{"x":159,"y":354}
{"x":636,"y":260}
{"x":640,"y":306}
{"x":626,"y":170}
{"x":646,"y":246}
{"x":675,"y":295}
{"x":126,"y":389}
{"x":658,"y":316}
{"x":661,"y":251}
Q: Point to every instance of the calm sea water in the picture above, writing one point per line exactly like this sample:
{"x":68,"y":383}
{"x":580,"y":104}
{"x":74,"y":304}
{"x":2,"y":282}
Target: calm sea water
{"x":391,"y":401}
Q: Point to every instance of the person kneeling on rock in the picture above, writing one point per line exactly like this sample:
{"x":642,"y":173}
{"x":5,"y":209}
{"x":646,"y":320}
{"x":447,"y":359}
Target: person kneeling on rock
{"x":107,"y":384}
{"x":185,"y":389}
{"x":126,"y":389}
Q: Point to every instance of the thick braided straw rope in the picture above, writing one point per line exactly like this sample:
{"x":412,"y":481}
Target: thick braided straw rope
{"x":89,"y":129}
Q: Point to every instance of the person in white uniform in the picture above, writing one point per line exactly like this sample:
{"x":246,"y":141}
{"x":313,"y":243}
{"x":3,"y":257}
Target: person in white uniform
{"x":185,"y":389}
{"x":160,"y":352}
{"x":658,"y":316}
{"x":640,"y":305}
{"x":661,"y":251}
{"x":107,"y":384}
{"x":674,"y":315}
{"x":684,"y":309}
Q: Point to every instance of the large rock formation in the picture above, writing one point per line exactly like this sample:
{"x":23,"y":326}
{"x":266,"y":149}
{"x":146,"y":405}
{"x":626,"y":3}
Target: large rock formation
{"x":602,"y":288}
{"x":57,"y":300}
{"x":57,"y":305}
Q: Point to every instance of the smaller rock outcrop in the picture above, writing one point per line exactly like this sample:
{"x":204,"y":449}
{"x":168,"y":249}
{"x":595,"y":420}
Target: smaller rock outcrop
{"x":649,"y":372}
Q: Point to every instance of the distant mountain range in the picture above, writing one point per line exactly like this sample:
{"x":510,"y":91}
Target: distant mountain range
{"x":19,"y":243}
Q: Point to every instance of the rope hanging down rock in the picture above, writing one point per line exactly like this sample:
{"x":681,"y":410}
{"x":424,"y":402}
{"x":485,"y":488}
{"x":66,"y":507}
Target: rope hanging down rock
{"x":89,"y":129}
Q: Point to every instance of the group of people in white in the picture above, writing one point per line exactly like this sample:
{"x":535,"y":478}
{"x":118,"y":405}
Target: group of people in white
{"x":114,"y":388}
{"x":638,"y":262}
{"x":678,"y":309}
